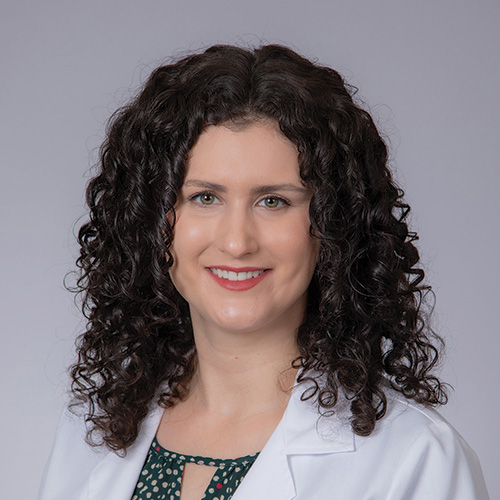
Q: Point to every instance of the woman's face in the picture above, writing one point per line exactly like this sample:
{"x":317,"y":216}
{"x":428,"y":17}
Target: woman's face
{"x":243,"y":256}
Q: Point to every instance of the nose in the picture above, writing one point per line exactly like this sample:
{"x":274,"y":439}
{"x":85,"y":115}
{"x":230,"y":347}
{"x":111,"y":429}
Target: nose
{"x":237,"y":233}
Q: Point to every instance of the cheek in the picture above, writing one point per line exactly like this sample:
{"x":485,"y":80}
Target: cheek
{"x":189,"y":240}
{"x":293,"y":244}
{"x":188,"y":237}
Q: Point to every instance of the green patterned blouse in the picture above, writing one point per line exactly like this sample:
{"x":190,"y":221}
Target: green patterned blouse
{"x":161,"y":475}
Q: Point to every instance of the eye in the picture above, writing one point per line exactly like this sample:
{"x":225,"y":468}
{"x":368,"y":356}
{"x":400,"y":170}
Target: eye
{"x":205,"y":198}
{"x":273,"y":202}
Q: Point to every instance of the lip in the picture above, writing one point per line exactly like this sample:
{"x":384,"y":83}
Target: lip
{"x":238,"y":286}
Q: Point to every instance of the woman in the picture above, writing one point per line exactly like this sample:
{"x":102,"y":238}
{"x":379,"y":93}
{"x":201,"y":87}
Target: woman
{"x":253,"y":298}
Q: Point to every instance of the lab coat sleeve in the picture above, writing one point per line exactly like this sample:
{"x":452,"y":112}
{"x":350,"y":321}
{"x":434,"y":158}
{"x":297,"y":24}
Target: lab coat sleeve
{"x":439,"y":465}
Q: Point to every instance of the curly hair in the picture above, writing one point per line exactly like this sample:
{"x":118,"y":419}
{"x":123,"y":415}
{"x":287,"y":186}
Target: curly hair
{"x":364,"y":325}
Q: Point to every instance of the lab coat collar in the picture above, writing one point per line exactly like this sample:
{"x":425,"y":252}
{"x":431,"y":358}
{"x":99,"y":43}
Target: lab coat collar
{"x":306,"y":432}
{"x":300,"y":432}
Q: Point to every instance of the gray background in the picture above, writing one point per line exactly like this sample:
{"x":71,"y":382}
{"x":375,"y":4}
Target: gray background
{"x":429,"y":71}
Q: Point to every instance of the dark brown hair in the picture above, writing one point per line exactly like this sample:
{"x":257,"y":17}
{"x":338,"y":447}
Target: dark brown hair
{"x":364,"y":326}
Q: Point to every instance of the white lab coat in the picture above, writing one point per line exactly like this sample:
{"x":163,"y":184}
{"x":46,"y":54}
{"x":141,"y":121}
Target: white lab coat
{"x":413,"y":454}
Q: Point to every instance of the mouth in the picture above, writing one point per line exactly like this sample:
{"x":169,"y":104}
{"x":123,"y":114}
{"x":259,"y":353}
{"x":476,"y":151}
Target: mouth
{"x":238,"y":280}
{"x":235,"y":275}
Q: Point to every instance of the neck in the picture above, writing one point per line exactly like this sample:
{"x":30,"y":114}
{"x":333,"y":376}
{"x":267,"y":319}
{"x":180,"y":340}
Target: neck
{"x":241,"y":374}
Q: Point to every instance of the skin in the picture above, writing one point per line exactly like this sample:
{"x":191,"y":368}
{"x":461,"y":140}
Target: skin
{"x":242,"y":206}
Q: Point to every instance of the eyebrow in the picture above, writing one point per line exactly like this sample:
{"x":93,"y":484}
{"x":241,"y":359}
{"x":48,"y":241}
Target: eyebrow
{"x":265,"y":188}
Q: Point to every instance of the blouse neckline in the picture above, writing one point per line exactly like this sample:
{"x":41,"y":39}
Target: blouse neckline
{"x":183,"y":458}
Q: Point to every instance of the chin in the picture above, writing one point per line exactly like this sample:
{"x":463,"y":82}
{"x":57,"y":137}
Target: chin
{"x":239,"y":323}
{"x":234,"y":319}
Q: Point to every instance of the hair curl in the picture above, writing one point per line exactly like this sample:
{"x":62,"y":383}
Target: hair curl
{"x":364,"y":324}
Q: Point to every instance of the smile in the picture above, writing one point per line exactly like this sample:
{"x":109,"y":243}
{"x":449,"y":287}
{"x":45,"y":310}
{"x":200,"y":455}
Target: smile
{"x":235,"y":276}
{"x":238,"y":280}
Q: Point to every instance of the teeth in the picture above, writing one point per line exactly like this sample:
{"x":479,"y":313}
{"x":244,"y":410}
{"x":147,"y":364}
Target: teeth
{"x":232,"y":276}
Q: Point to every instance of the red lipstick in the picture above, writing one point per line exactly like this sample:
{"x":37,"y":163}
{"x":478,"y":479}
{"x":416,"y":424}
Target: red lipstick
{"x":238,"y":286}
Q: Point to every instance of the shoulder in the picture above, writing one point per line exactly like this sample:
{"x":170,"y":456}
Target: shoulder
{"x":74,"y":467}
{"x":71,"y":459}
{"x":427,"y":457}
{"x":412,"y":454}
{"x":412,"y":420}
{"x":415,"y":425}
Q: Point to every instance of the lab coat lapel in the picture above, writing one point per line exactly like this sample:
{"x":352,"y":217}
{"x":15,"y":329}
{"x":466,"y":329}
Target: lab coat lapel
{"x":270,"y":476}
{"x":114,"y":477}
{"x":300,"y":432}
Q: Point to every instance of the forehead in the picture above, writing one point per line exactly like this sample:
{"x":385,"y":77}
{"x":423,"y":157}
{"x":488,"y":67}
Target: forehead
{"x":253,"y":150}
